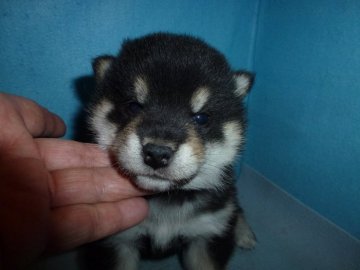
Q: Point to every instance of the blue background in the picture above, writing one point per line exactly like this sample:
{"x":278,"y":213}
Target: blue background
{"x":304,"y":110}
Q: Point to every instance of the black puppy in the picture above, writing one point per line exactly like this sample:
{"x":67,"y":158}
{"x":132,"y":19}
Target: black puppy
{"x":169,"y":109}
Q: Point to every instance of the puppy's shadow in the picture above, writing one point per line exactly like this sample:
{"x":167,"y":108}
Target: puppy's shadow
{"x":84,"y":87}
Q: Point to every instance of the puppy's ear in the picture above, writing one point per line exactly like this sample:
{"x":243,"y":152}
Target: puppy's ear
{"x":243,"y":82}
{"x":101,"y":65}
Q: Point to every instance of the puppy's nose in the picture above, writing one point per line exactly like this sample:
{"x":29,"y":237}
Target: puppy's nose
{"x":157,"y":156}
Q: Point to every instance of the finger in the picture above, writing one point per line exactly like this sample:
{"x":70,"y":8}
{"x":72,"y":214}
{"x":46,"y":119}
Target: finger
{"x":38,"y":120}
{"x":76,"y":225}
{"x":59,"y":154}
{"x":89,"y":185}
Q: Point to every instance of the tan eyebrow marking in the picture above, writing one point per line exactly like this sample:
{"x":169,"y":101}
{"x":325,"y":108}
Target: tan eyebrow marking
{"x":141,"y":89}
{"x":199,"y":99}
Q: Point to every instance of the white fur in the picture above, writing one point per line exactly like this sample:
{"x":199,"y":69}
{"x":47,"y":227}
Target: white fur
{"x":218,"y":155}
{"x":103,"y":67}
{"x":184,"y":163}
{"x":166,"y":222}
{"x":105,"y":131}
{"x":141,"y":89}
{"x":199,"y":99}
{"x":129,"y":154}
{"x":152,"y":183}
{"x":242,"y":83}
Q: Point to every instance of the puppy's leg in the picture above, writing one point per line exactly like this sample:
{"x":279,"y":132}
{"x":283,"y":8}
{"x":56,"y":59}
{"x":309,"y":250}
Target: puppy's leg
{"x":102,"y":255}
{"x":197,"y":256}
{"x":202,"y":254}
{"x":128,"y":257}
{"x":244,"y":236}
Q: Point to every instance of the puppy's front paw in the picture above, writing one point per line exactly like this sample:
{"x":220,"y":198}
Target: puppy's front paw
{"x":246,"y":240}
{"x":244,"y":236}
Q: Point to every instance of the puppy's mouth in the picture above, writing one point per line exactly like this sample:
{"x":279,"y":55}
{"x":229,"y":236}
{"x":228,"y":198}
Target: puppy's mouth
{"x":159,"y":184}
{"x":155,"y":180}
{"x":158,"y":180}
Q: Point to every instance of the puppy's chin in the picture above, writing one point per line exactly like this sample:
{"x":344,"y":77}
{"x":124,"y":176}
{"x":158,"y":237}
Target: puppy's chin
{"x":156,"y":184}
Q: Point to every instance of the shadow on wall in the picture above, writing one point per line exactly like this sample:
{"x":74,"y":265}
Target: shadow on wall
{"x":84,"y":86}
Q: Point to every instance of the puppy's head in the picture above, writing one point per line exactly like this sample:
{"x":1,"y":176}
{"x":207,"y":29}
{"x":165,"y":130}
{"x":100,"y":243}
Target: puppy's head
{"x":169,"y":109}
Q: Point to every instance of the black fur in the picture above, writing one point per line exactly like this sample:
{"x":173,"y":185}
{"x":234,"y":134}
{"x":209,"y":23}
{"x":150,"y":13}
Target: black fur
{"x":174,"y":67}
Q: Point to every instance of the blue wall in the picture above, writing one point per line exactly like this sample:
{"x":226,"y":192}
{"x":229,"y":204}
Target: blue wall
{"x":46,"y":44}
{"x":305,"y":108}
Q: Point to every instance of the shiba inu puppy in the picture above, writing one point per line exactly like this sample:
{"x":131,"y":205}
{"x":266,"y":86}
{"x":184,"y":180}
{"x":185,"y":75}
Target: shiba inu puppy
{"x":169,"y":109}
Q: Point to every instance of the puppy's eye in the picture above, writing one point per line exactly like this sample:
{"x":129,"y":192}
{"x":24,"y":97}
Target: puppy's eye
{"x":201,"y":118}
{"x":134,"y":107}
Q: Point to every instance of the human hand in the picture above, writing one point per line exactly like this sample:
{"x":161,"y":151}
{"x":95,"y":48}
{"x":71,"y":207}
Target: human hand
{"x":55,"y":194}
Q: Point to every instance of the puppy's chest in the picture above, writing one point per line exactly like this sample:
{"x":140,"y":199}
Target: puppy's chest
{"x":169,"y":222}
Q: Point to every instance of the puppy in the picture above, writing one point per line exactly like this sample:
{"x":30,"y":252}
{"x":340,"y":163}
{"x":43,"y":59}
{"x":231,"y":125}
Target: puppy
{"x":169,"y":109}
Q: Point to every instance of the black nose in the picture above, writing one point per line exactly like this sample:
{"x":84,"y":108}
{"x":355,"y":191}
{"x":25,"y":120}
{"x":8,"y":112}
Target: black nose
{"x":157,"y":156}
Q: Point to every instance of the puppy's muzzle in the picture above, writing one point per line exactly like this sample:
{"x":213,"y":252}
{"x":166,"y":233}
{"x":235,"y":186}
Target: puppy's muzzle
{"x":157,"y":156}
